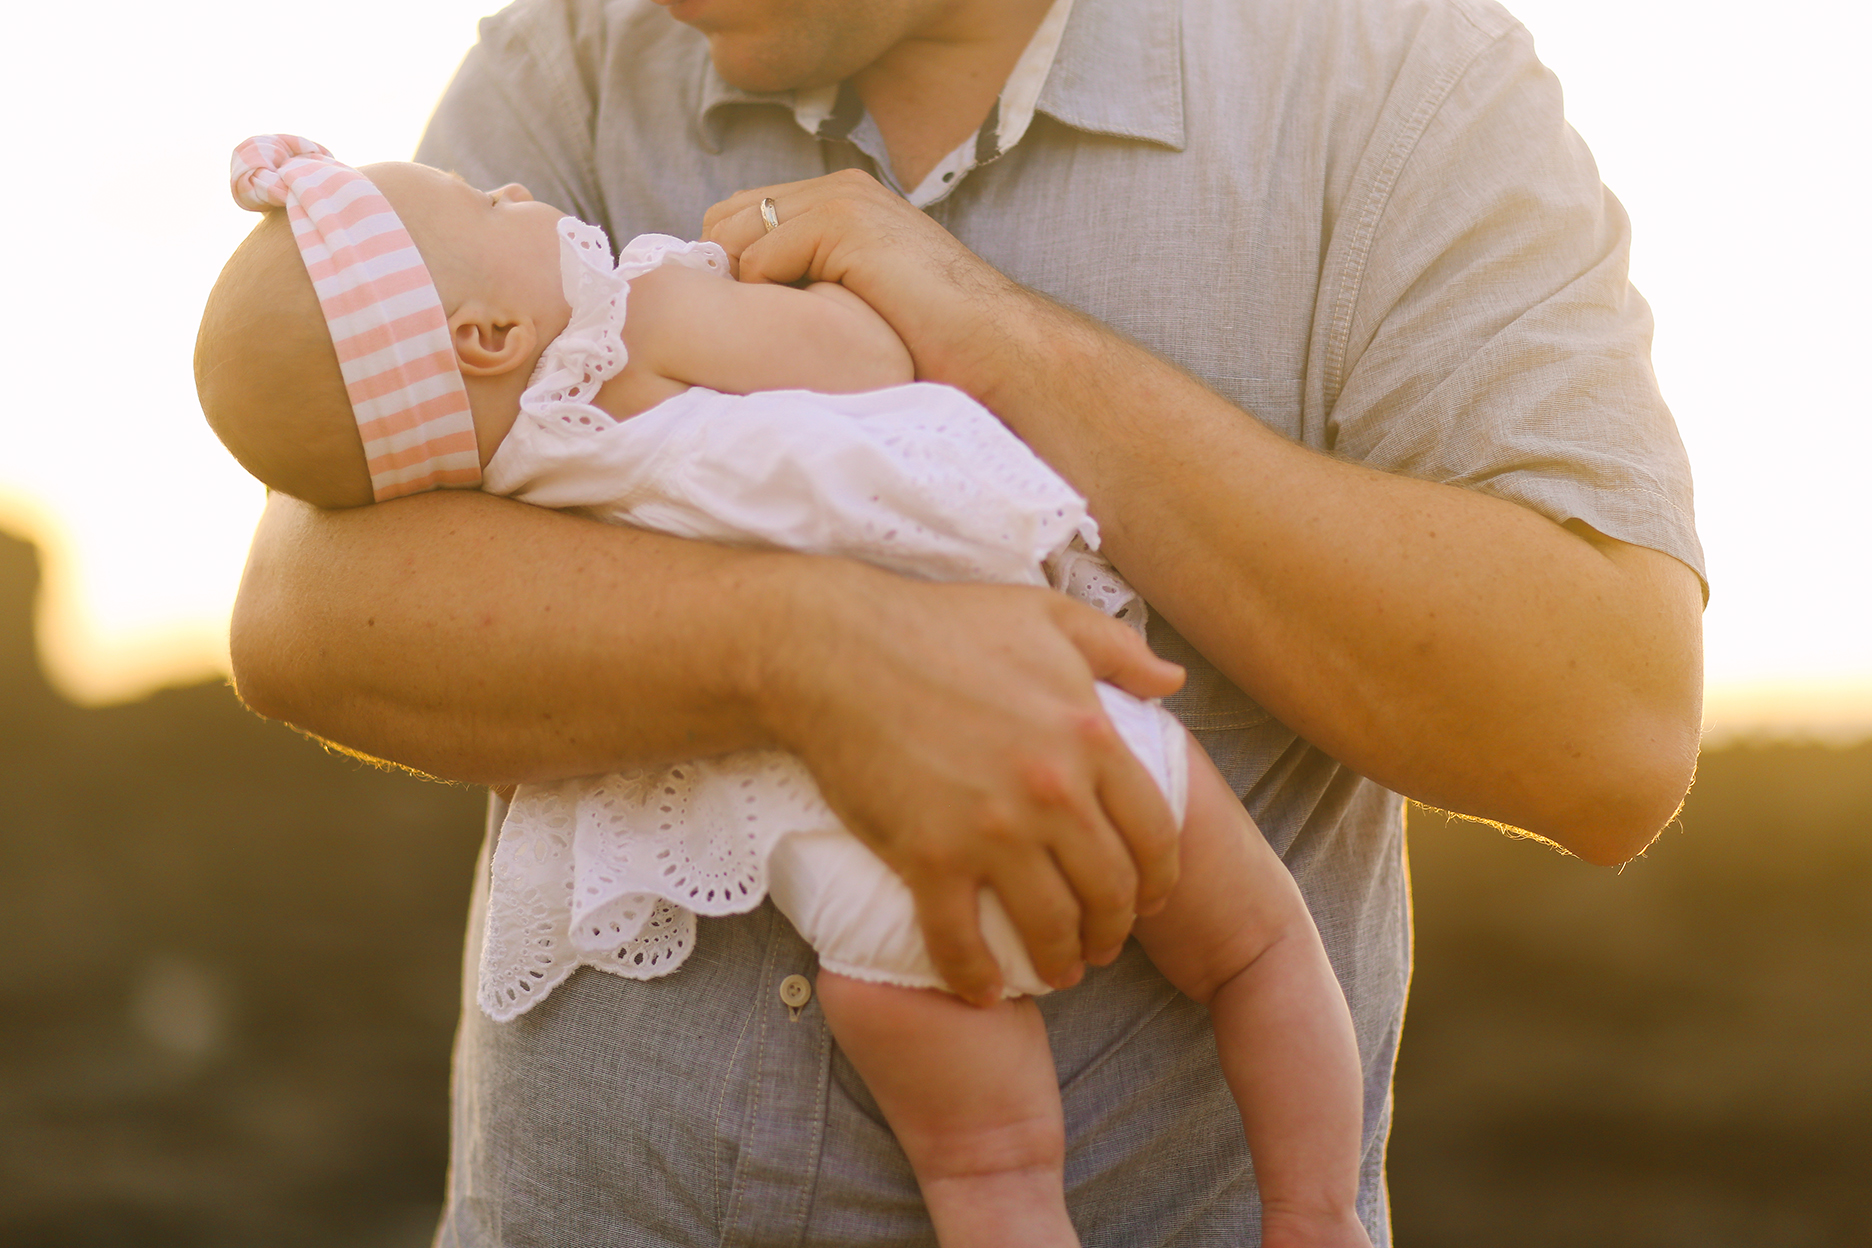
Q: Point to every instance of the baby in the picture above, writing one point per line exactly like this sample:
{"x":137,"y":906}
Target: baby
{"x":396,"y":330}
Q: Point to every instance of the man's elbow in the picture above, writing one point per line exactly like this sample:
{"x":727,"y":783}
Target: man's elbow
{"x":1611,"y":817}
{"x":1630,"y":783}
{"x":267,"y":630}
{"x":1621,"y":832}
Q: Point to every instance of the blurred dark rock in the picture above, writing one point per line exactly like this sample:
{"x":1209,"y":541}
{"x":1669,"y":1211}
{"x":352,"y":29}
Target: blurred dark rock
{"x":232,"y":972}
{"x":234,"y":964}
{"x":24,"y":694}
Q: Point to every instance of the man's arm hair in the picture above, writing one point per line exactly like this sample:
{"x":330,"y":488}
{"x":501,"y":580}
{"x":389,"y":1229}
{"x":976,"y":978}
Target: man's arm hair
{"x":954,"y":728}
{"x":1499,"y":653}
{"x":455,"y":633}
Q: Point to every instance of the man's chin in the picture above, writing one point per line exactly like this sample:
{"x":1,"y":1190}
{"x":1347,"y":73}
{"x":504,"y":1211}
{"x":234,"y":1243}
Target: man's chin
{"x":746,"y":64}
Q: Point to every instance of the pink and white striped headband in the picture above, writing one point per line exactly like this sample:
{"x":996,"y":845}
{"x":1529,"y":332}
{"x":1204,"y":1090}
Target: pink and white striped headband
{"x":381,"y":306}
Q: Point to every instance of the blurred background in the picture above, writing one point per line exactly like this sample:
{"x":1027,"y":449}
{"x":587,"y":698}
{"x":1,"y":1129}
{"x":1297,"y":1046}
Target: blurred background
{"x":213,"y":1035}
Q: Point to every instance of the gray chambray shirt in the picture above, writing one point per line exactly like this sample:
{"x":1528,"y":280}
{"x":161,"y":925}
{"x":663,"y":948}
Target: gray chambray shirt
{"x":1367,"y":224}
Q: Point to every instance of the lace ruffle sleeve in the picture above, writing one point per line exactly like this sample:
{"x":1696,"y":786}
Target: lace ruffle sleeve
{"x":591,"y":350}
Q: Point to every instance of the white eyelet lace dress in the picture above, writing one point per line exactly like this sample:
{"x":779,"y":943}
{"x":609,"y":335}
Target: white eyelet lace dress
{"x":611,"y":871}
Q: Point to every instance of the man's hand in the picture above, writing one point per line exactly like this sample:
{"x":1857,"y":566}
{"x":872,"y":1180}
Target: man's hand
{"x":1461,"y":649}
{"x":954,"y":726}
{"x":943,"y":300}
{"x":956,"y":731}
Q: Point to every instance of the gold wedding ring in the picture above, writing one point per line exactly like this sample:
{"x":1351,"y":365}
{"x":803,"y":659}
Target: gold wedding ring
{"x":769,"y":219}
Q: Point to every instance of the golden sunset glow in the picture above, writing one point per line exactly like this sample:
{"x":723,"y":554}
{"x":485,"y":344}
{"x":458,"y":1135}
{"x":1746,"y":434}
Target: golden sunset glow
{"x":1735,"y":152}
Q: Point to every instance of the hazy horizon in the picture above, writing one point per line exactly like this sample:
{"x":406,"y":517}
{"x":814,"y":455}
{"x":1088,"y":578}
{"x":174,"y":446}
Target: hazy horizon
{"x":143,"y":520}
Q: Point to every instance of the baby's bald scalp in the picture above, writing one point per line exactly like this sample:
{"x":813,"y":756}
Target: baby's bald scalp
{"x":267,"y":375}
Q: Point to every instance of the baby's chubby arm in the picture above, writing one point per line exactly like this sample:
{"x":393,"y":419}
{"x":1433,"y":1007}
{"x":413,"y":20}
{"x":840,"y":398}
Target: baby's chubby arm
{"x":694,"y":328}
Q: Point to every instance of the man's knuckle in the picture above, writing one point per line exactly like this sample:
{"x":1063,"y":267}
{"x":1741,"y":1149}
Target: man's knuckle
{"x":962,"y":965}
{"x":1111,"y":895}
{"x":847,"y":213}
{"x":1113,"y":912}
{"x":931,"y":859}
{"x":1151,"y":841}
{"x":998,"y":823}
{"x":1092,"y":728}
{"x":1044,"y":780}
{"x":948,"y":946}
{"x":1057,"y":920}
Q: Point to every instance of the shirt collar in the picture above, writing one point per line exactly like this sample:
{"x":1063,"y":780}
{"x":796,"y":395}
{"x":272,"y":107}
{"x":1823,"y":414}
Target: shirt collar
{"x":1118,"y":71}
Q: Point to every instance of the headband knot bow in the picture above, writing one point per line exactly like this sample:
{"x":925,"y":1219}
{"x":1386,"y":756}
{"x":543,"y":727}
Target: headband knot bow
{"x":381,"y":307}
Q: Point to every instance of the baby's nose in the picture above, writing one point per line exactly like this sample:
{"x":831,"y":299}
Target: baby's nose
{"x":515,"y":193}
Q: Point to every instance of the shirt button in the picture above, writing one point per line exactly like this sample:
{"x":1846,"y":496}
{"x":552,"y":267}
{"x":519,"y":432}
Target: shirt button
{"x":795,"y":991}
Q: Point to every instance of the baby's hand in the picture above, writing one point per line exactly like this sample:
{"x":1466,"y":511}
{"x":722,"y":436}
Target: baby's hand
{"x":886,"y":355}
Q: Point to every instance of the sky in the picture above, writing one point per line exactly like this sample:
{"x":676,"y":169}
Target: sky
{"x":1737,"y":141}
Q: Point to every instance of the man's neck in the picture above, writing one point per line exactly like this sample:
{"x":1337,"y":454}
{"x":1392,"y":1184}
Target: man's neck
{"x":933,"y":90}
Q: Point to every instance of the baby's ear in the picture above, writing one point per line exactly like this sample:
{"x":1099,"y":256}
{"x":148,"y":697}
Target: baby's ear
{"x":487,"y":345}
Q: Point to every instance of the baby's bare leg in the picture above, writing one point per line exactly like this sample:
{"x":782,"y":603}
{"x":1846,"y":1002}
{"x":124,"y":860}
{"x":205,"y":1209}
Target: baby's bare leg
{"x":1237,"y":937}
{"x":973,"y":1097}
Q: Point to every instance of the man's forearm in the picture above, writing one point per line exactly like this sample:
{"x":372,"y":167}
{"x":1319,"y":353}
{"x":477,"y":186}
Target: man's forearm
{"x":455,"y":633}
{"x":1458,"y":648}
{"x":954,"y":728}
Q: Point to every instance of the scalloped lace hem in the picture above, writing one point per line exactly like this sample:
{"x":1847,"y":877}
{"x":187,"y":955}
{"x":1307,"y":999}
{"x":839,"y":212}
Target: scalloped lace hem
{"x":611,"y":872}
{"x":590,"y":350}
{"x":899,"y":979}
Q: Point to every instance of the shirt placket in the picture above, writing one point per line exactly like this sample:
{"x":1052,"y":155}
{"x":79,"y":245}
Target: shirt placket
{"x":786,"y":1077}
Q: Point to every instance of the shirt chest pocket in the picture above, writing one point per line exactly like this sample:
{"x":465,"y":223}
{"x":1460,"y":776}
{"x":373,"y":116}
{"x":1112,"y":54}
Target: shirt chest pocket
{"x":1274,"y":401}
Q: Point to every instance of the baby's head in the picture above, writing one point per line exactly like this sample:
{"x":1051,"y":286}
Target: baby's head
{"x":440,"y":297}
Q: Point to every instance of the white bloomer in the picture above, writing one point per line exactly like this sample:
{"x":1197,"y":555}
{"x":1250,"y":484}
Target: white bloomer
{"x":610,"y":871}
